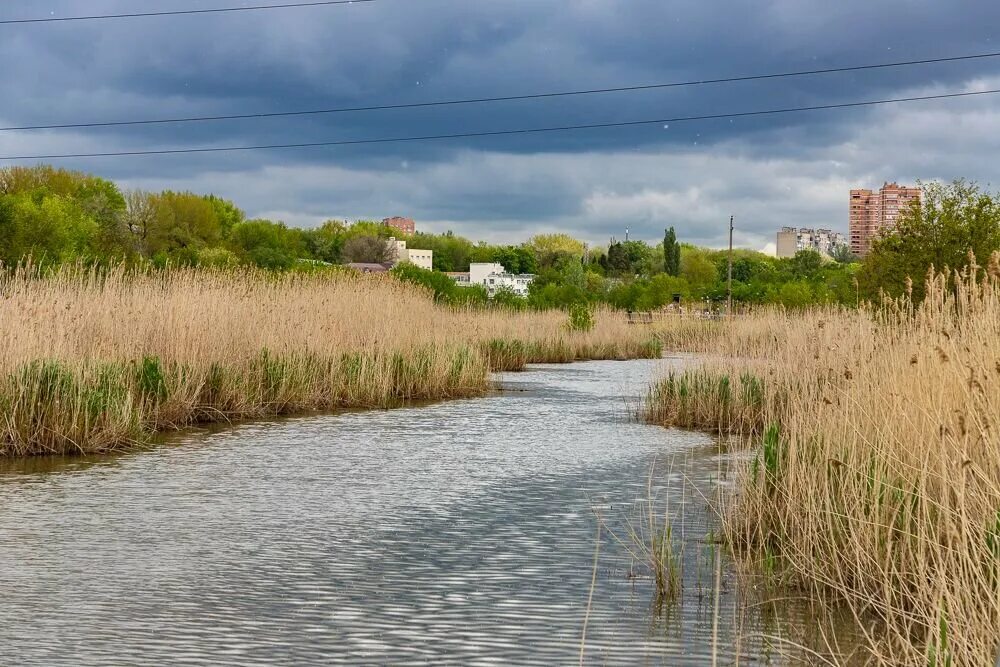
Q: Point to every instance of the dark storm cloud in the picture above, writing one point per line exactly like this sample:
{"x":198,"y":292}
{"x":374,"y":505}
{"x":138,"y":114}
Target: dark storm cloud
{"x":398,"y":51}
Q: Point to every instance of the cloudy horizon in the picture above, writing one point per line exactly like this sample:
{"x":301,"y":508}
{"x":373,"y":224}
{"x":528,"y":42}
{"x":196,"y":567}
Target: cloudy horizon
{"x":792,"y":169}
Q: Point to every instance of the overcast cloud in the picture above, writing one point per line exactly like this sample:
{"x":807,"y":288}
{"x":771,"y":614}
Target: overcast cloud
{"x":792,"y":169}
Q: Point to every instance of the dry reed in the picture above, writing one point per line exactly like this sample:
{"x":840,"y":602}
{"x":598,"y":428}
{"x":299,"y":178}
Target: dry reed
{"x":875,"y":474}
{"x":92,"y":361}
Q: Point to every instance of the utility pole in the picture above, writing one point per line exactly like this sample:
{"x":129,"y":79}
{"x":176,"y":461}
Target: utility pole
{"x":729,"y":300}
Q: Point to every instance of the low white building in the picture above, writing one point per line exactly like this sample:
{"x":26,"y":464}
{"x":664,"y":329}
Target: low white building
{"x":494,"y":277}
{"x":422,"y":258}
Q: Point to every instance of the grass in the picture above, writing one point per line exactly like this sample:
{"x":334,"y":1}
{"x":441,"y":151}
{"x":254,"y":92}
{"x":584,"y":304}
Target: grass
{"x":96,"y":361}
{"x":874,"y":475}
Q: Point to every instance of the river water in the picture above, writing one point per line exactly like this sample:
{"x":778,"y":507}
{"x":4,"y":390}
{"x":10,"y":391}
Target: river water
{"x":456,"y":533}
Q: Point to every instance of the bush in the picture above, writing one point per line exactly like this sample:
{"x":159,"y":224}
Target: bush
{"x":581,"y":318}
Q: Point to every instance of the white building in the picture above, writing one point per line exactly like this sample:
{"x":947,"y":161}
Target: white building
{"x":422,"y":258}
{"x":479,"y":273}
{"x":791,"y":240}
{"x":494,"y":277}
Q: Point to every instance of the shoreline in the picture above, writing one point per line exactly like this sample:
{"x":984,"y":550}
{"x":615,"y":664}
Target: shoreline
{"x":271,"y":387}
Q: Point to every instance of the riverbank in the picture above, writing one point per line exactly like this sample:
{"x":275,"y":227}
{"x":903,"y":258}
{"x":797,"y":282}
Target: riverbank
{"x":874,"y":476}
{"x":94,"y":362}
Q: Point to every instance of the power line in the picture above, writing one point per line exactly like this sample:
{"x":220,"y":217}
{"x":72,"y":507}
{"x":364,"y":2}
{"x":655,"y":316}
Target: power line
{"x":498,"y":133}
{"x":182,"y":12}
{"x":506,"y":98}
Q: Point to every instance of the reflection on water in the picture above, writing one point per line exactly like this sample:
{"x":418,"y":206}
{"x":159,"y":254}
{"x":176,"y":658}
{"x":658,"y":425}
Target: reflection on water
{"x":459,"y":533}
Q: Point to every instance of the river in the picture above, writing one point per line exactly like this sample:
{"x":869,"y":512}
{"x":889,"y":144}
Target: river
{"x":455,"y":533}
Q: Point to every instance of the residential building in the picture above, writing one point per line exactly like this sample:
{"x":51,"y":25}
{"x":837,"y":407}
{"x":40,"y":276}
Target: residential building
{"x":494,"y":277}
{"x":479,"y":272}
{"x":871,"y":213}
{"x":791,"y":240}
{"x":404,"y":225}
{"x":461,"y":278}
{"x":422,"y":258}
{"x":788,"y":242}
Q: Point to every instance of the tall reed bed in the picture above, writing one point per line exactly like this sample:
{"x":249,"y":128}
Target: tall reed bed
{"x":91,"y":361}
{"x":875,"y":471}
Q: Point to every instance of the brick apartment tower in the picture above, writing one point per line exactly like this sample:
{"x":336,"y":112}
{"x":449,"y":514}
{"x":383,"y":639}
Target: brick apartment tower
{"x":872,"y":212}
{"x":405,"y":225}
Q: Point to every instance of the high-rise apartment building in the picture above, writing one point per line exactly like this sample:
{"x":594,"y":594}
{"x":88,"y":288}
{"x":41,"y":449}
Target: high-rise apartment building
{"x":873,"y":212}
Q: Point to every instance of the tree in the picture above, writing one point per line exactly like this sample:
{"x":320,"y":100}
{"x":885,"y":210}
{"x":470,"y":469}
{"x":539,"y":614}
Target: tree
{"x":794,"y":294}
{"x":139,"y":218}
{"x":842,"y":254}
{"x":806,"y":264}
{"x":269,"y":245}
{"x":183,"y":224}
{"x":942,"y":230}
{"x":326,"y":243}
{"x":671,"y":253}
{"x":368,"y":250}
{"x":617,"y":260}
{"x":554,"y":249}
{"x":697,"y":269}
{"x":49,"y":228}
{"x":228,"y":214}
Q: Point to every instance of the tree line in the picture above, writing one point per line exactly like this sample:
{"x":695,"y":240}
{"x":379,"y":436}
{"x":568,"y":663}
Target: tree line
{"x":55,"y":215}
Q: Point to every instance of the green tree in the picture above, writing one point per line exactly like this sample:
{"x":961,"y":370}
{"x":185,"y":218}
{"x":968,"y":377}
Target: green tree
{"x":698,"y":270}
{"x":182,"y":224}
{"x":227,"y":213}
{"x":617,"y":263}
{"x":49,"y":228}
{"x":671,"y":253}
{"x":269,"y":245}
{"x":806,"y":264}
{"x":326,"y":243}
{"x":949,"y":223}
{"x":795,"y":294}
{"x":554,"y":249}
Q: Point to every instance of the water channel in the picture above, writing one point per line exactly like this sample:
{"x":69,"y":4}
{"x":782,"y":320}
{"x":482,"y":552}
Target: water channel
{"x":456,"y":533}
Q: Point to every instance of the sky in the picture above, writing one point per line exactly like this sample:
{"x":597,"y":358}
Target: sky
{"x":788,"y":169}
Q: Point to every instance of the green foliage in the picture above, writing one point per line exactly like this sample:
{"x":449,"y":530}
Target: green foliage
{"x":55,"y":215}
{"x":581,"y":318}
{"x":630,"y":258}
{"x":227,"y":213}
{"x":698,"y":270}
{"x":671,"y":253}
{"x":553,"y":250}
{"x":950,"y":222}
{"x":806,"y":264}
{"x":326,"y":243}
{"x":182,"y":224}
{"x":269,"y":245}
{"x":445,"y":289}
{"x":451,"y":253}
{"x":516,"y":259}
{"x":50,"y":228}
{"x":151,"y":379}
{"x":507,"y":298}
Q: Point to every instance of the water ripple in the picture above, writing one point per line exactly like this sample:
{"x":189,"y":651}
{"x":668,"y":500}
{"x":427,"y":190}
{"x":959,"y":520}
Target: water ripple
{"x":459,"y":533}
